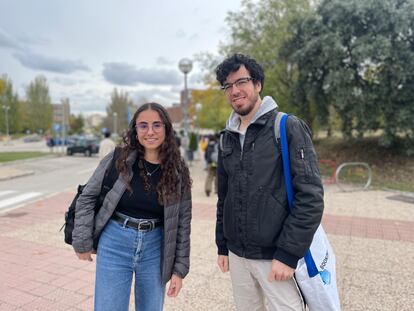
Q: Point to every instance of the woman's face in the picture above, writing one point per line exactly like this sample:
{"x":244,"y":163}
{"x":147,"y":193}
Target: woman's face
{"x":150,"y":130}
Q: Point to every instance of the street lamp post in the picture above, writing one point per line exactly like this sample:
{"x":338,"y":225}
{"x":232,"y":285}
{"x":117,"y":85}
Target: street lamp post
{"x":6,"y":112}
{"x":115,"y":119}
{"x":185,"y":65}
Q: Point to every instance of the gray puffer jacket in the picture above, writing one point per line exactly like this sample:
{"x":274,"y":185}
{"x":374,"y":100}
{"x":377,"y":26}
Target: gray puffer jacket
{"x":177,"y":220}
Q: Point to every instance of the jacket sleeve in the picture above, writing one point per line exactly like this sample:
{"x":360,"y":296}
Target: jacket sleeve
{"x":82,"y":235}
{"x":222,"y":192}
{"x":182,"y":250}
{"x":305,"y":217}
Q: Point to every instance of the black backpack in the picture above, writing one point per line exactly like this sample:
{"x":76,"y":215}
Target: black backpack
{"x":110,"y":177}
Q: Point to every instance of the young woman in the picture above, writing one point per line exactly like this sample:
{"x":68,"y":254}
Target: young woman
{"x":144,"y":222}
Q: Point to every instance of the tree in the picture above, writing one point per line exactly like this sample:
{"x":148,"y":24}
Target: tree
{"x":10,"y":100}
{"x":40,"y":109}
{"x":117,"y":111}
{"x":76,"y":124}
{"x":214,"y":110}
{"x":358,"y":57}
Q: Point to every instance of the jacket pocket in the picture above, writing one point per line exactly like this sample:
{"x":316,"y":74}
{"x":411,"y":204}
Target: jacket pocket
{"x":305,"y":163}
{"x":268,"y":216}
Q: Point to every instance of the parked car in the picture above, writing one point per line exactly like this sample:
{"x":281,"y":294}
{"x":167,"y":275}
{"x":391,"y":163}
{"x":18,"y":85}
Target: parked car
{"x":87,"y":146}
{"x":32,"y":138}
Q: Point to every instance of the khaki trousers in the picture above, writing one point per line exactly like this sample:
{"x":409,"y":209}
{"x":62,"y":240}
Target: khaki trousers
{"x":252,"y":291}
{"x":211,"y":178}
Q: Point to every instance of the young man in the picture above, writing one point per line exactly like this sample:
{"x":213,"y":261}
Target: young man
{"x":257,"y":238}
{"x":106,"y":145}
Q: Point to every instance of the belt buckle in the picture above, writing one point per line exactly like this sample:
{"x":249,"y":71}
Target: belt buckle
{"x":145,"y":225}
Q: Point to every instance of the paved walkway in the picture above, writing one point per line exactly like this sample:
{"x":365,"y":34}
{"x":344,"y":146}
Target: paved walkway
{"x":372,"y":237}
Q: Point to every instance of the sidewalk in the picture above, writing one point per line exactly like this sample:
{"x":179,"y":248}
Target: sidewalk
{"x":373,"y":238}
{"x":8,"y":172}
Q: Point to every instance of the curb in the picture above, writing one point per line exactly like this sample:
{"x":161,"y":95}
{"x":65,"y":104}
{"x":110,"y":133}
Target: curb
{"x":16,"y":175}
{"x":10,"y":163}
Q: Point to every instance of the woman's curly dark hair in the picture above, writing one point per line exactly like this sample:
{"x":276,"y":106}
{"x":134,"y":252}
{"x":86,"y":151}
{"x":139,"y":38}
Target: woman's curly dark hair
{"x":174,"y":170}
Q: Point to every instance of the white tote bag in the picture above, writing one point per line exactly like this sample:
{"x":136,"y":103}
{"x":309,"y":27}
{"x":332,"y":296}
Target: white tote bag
{"x":316,"y":272}
{"x":320,"y":291}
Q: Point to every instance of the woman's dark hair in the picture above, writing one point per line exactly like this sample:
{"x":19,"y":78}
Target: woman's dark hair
{"x":233,"y":63}
{"x":174,"y":170}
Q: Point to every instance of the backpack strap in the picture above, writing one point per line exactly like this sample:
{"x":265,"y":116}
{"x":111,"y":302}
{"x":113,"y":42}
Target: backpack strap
{"x":310,"y":263}
{"x":285,"y":158}
{"x":278,"y":118}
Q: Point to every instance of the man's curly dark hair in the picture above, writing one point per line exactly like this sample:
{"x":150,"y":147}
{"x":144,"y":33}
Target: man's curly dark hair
{"x":174,"y":170}
{"x":233,"y":63}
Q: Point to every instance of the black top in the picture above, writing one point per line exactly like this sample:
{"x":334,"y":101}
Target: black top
{"x":140,"y":203}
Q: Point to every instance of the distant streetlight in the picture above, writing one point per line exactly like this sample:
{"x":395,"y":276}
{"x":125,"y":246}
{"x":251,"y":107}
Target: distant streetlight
{"x":6,"y":113}
{"x":185,"y":65}
{"x":115,"y":120}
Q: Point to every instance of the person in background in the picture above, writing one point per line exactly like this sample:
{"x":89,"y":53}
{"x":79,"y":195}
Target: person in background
{"x":50,"y":142}
{"x":203,"y":147}
{"x":177,"y":139}
{"x":106,"y":145}
{"x":211,"y":156}
{"x":256,"y":236}
{"x":145,"y":220}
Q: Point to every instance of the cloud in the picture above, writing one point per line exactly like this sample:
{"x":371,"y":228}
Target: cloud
{"x":7,"y":41}
{"x":193,"y":37}
{"x":39,"y":62}
{"x":163,"y":61}
{"x":67,"y":81}
{"x":21,"y":42}
{"x":155,"y":94}
{"x":126,"y":74}
{"x":180,"y":34}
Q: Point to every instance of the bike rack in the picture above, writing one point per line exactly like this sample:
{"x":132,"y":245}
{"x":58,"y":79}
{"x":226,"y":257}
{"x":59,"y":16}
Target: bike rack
{"x":363,"y":164}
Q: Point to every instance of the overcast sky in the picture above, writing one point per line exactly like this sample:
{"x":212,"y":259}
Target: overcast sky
{"x":85,"y":48}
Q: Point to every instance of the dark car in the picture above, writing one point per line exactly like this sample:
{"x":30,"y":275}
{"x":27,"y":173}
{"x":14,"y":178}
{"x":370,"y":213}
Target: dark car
{"x":86,"y":146}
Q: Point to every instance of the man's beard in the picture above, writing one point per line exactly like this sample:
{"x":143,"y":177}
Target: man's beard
{"x":244,"y":111}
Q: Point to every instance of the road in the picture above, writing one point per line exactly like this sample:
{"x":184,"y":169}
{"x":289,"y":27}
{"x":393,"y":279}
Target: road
{"x":20,"y":145}
{"x":51,"y":175}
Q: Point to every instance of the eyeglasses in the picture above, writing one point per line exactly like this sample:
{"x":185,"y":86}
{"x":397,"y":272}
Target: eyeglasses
{"x":242,"y":82}
{"x":157,"y":127}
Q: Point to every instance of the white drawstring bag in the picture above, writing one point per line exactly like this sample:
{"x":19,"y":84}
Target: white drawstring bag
{"x":319,"y":290}
{"x":316,"y":271}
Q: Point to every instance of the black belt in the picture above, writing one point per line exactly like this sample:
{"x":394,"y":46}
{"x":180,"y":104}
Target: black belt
{"x":137,"y":224}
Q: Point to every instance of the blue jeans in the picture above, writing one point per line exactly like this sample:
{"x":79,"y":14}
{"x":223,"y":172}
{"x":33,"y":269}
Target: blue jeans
{"x":121,"y":252}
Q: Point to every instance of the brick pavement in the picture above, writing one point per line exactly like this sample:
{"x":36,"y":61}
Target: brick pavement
{"x":364,"y":227}
{"x":39,"y":272}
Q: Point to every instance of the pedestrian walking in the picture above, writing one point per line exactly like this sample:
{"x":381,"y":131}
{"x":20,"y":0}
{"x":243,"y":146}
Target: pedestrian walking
{"x":258,"y":240}
{"x":144,"y":221}
{"x":106,"y":145}
{"x":211,"y":156}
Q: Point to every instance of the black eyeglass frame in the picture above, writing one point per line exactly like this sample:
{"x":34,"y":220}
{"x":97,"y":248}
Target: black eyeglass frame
{"x":239,"y":82}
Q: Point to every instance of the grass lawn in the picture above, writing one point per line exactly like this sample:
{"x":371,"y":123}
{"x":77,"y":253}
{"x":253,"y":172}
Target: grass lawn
{"x":390,"y":169}
{"x":13,"y":156}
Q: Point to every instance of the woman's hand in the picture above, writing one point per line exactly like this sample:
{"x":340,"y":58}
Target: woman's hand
{"x":85,"y":256}
{"x":175,"y":286}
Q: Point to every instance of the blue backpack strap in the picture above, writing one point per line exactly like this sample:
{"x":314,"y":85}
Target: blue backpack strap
{"x":310,"y":263}
{"x":286,"y":161}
